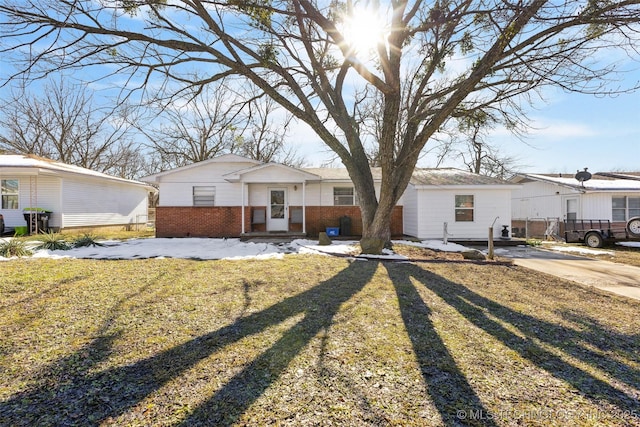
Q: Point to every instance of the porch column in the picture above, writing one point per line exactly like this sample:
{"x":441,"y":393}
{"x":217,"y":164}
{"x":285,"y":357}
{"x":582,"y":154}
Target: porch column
{"x":304,"y":207}
{"x":242,"y":206}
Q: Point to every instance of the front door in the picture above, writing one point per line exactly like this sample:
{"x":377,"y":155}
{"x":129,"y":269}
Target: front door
{"x":277,"y":210}
{"x":571,"y":209}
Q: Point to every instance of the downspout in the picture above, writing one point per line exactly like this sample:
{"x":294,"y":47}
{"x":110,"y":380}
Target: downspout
{"x":62,"y":205}
{"x":304,"y":207}
{"x":242,"y":209}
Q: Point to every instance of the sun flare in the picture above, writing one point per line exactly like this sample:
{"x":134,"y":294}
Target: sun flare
{"x":363,"y":30}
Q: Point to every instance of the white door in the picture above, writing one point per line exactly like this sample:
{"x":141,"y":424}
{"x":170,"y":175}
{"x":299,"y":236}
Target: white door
{"x":277,"y":210}
{"x":571,"y":209}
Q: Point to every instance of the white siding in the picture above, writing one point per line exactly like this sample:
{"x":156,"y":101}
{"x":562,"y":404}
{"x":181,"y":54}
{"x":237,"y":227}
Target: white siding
{"x":38,"y":192}
{"x":410,"y":211}
{"x":435,"y":207}
{"x":597,"y":206}
{"x":181,"y":193}
{"x":274,"y":174}
{"x":540,"y":200}
{"x":325,"y":192}
{"x":313,"y":194}
{"x":87,"y":202}
{"x":543,"y":200}
{"x":176,"y":189}
{"x":259,"y":194}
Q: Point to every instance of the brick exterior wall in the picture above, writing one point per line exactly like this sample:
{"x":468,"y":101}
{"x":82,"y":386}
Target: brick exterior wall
{"x":207,"y":221}
{"x":320,"y":217}
{"x":200,"y":221}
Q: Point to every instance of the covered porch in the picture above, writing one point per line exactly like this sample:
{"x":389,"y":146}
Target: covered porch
{"x":275,"y":197}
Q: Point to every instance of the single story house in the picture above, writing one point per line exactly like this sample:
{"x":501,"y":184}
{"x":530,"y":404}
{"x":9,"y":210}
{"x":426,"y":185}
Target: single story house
{"x":545,"y":201}
{"x":231,"y":196}
{"x":75,"y":197}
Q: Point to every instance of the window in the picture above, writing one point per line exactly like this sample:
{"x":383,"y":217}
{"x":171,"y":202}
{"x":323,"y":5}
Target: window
{"x":9,"y":193}
{"x":624,"y":208}
{"x":464,"y":208}
{"x":204,"y":196}
{"x":344,"y":196}
{"x":633,"y":206}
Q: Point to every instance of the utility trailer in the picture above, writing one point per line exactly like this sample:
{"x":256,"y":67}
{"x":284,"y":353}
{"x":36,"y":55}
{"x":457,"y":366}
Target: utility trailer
{"x":597,"y":233}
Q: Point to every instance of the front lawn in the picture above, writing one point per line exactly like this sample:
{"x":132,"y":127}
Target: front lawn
{"x":311,"y":340}
{"x":629,"y":255}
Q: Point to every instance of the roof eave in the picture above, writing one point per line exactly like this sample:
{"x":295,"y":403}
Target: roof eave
{"x":467,"y":186}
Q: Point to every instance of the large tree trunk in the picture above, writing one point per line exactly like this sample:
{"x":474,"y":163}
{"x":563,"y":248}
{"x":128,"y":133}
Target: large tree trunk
{"x":377,"y":214}
{"x":376,"y":233}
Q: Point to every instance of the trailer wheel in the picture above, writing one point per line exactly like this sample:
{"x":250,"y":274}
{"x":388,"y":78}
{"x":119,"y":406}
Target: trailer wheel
{"x":633,"y":226}
{"x":593,"y":239}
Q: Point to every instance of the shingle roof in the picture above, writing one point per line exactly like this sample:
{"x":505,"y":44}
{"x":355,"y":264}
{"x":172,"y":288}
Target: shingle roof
{"x":619,"y":175}
{"x":29,"y":161}
{"x":452,"y":176}
{"x":421,"y":176}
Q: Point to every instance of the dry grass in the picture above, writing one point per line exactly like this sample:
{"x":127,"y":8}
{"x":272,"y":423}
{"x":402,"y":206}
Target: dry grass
{"x":616,"y":253}
{"x":621,"y":255}
{"x":311,"y":340}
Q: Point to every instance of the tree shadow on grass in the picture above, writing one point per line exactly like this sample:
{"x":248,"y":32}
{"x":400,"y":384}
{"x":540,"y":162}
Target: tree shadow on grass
{"x":448,"y":387}
{"x":73,"y":395}
{"x":487,"y":315}
{"x":42,"y":292}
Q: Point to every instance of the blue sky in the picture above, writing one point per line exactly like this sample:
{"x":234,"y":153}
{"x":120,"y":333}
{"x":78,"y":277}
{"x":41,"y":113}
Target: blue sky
{"x":574,"y":131}
{"x":571,"y":132}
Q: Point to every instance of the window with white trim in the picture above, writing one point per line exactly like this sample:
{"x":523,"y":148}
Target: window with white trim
{"x":9,"y":190}
{"x":344,"y":196}
{"x":204,"y":195}
{"x":623,"y":208}
{"x":464,"y":208}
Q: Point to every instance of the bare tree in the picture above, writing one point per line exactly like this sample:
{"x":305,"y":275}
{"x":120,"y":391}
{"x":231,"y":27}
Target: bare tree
{"x":194,"y":127}
{"x":265,"y":130}
{"x":476,"y":153}
{"x":214,"y":121}
{"x":61,"y":122}
{"x":432,"y":61}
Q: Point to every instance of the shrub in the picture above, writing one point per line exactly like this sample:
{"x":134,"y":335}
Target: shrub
{"x":54,"y":242}
{"x":13,"y":247}
{"x":534,"y":242}
{"x":86,"y":240}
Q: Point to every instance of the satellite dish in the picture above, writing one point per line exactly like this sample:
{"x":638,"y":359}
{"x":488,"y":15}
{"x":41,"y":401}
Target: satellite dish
{"x":583,"y":176}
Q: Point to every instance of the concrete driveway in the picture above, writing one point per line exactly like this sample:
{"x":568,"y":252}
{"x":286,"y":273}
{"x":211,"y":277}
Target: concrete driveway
{"x":617,"y":278}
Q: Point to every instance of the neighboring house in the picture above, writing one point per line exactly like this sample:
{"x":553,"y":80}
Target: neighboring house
{"x":544,"y":202}
{"x":231,"y":196}
{"x":75,"y":196}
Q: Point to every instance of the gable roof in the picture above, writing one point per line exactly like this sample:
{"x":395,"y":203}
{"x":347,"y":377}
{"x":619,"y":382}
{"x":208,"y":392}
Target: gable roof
{"x":224,"y":158}
{"x":604,"y":184}
{"x":237,"y":175}
{"x":30,"y":162}
{"x":426,"y":177}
